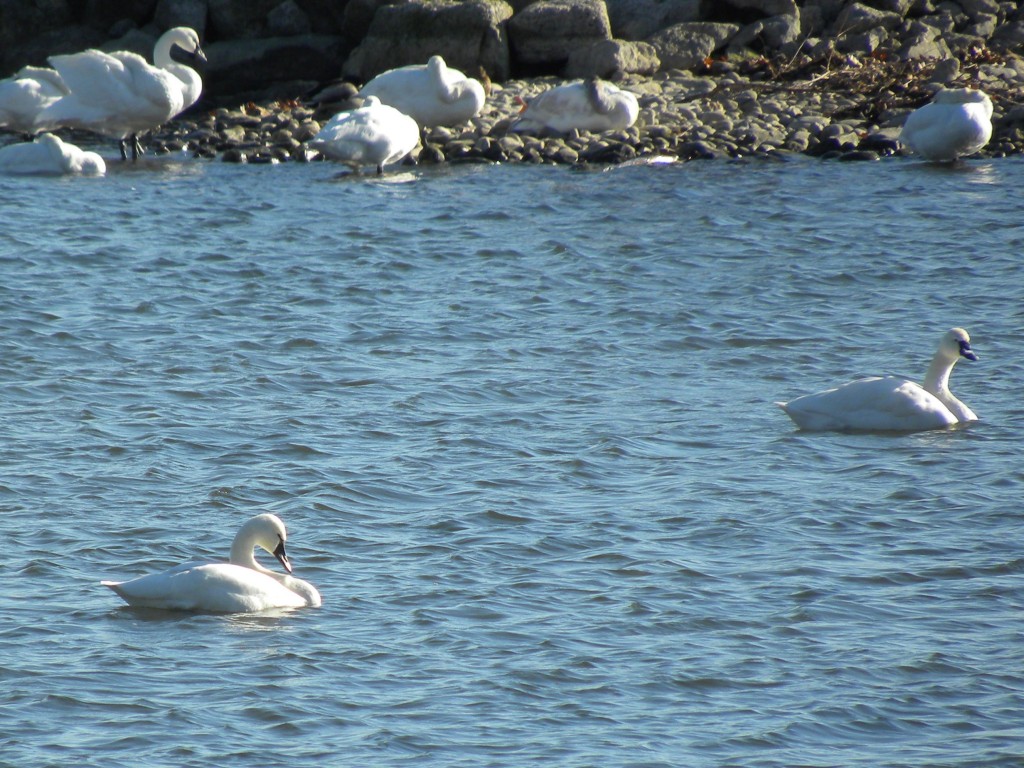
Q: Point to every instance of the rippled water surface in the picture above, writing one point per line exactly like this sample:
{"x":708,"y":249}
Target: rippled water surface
{"x":520,"y":424}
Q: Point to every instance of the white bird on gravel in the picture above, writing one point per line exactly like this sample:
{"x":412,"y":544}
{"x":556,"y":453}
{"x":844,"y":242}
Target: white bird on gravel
{"x":49,"y":156}
{"x":25,"y":94}
{"x":585,"y":105}
{"x":239,"y":586}
{"x":957,"y":123}
{"x":891,"y":403}
{"x":120,"y":94}
{"x":375,"y":134}
{"x":432,"y":94}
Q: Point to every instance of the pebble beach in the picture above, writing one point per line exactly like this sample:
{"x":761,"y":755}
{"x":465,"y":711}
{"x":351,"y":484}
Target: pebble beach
{"x":836,"y":107}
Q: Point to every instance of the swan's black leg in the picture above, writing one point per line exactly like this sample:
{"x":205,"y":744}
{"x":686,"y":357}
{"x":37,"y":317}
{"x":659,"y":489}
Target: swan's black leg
{"x":380,"y":170}
{"x":137,"y":149}
{"x":124,"y":149}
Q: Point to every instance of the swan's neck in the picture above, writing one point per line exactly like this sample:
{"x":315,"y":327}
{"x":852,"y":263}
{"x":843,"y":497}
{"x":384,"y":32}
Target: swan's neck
{"x":162,"y":54}
{"x":242,"y":554}
{"x":936,"y":381}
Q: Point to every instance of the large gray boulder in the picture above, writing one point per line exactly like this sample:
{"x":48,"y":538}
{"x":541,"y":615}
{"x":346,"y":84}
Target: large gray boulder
{"x":611,"y":59}
{"x":546,"y":33}
{"x":639,"y":19}
{"x":686,"y":46}
{"x":282,"y":67}
{"x":182,"y":13}
{"x":21,"y":21}
{"x":467,"y":35}
{"x":231,"y":20}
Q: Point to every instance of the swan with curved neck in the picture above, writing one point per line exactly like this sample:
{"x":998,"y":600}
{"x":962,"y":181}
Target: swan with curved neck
{"x":432,"y":94}
{"x":120,"y":94}
{"x":585,"y":105}
{"x":891,"y":403}
{"x":241,"y":585}
{"x":375,"y":134}
{"x":49,"y":156}
{"x":957,"y":123}
{"x":25,"y":94}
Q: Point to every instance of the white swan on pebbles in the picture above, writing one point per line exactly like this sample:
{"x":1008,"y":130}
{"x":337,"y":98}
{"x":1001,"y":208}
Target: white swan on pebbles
{"x":25,"y":94}
{"x":375,"y":134}
{"x":120,"y":94}
{"x":49,"y":156}
{"x":432,"y":94}
{"x":957,"y":123}
{"x":585,"y":105}
{"x":891,"y":403}
{"x":239,"y":586}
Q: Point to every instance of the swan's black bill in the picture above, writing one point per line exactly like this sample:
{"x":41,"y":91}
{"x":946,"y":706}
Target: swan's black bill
{"x":966,"y":351}
{"x":282,"y":558}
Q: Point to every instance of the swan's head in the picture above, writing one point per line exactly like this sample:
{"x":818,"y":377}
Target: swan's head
{"x":266,"y":531}
{"x":185,"y":38}
{"x":956,"y":344}
{"x":436,"y":64}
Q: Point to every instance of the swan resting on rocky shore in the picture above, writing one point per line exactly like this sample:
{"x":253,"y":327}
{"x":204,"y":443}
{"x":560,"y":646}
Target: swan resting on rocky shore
{"x":584,"y":105}
{"x":432,"y":94}
{"x":957,"y":123}
{"x":25,"y":94}
{"x":239,"y":586}
{"x":375,"y":134}
{"x":49,"y":156}
{"x":891,"y":403}
{"x":120,"y":94}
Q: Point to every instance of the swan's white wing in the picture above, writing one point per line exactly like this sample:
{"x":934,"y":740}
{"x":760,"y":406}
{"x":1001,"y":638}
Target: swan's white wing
{"x":889,"y":403}
{"x":208,"y":588}
{"x":947,"y":131}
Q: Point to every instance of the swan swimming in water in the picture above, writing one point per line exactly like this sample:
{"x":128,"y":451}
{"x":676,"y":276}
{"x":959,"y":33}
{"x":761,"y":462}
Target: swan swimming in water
{"x":375,"y":134}
{"x":432,"y":94}
{"x":891,"y":403}
{"x":25,"y":94}
{"x":239,"y":586}
{"x":586,"y":105}
{"x":49,"y":156}
{"x":957,"y":123}
{"x":120,"y":94}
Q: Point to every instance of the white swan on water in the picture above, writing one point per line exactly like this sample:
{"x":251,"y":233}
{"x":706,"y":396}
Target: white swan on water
{"x":432,"y":94}
{"x":25,"y":94}
{"x":120,"y":94}
{"x":891,"y":403}
{"x":375,"y":134}
{"x":957,"y":123}
{"x":585,"y":105}
{"x":239,"y":586}
{"x":50,"y":156}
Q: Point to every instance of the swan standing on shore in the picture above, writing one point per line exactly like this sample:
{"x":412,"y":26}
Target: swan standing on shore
{"x":585,"y":105}
{"x":49,"y":156}
{"x":891,"y":403}
{"x":432,"y":94}
{"x":120,"y":95}
{"x":25,"y":94}
{"x":957,"y":123}
{"x":375,"y":134}
{"x":239,"y":586}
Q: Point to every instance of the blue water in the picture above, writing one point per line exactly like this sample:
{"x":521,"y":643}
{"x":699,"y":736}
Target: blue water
{"x":520,"y":424}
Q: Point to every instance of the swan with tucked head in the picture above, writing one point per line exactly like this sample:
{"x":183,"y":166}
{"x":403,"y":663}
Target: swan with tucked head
{"x":27,"y":93}
{"x":49,"y":156}
{"x":375,"y":134}
{"x":891,"y":403}
{"x":120,"y":94}
{"x":957,"y":123}
{"x":585,"y":105}
{"x":239,"y":586}
{"x":432,"y":94}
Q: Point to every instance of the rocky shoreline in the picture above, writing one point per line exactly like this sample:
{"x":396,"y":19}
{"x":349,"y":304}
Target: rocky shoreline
{"x":844,"y":107}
